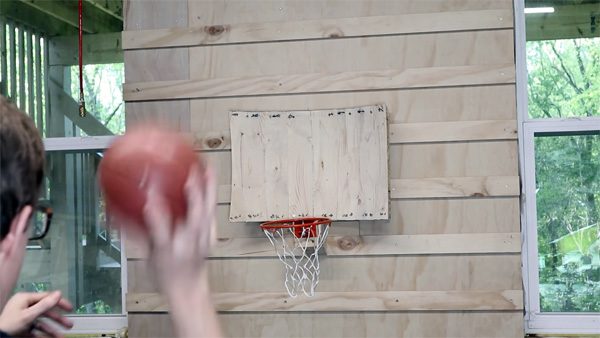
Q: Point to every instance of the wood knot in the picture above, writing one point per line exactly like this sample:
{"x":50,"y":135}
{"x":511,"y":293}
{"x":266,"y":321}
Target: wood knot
{"x":334,"y":32}
{"x":214,"y":142}
{"x":215,"y":30}
{"x":347,"y":243}
{"x":477,"y":194}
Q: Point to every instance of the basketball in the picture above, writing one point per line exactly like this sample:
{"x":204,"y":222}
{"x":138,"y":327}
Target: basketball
{"x":146,"y":156}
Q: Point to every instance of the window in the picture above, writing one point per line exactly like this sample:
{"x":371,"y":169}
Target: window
{"x":558,"y":84}
{"x":103,"y":95}
{"x":78,"y":256}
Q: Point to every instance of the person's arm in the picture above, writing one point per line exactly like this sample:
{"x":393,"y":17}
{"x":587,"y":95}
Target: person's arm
{"x":178,"y":253}
{"x":21,"y":314}
{"x":193,"y":311}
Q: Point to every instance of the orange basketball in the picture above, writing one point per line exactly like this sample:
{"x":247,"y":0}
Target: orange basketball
{"x":144,"y":156}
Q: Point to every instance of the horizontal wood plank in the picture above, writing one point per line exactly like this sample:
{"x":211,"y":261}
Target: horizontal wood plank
{"x":346,"y":301}
{"x":438,"y":187}
{"x":466,"y":48}
{"x":452,"y":131}
{"x":401,"y":133}
{"x":321,"y":82}
{"x":489,"y":324}
{"x":447,"y":216}
{"x":367,"y":245}
{"x":319,"y":29}
{"x":423,"y":244}
{"x":356,"y":273}
{"x":455,"y":187}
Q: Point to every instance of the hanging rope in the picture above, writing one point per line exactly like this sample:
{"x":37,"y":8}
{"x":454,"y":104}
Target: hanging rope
{"x":82,"y":112}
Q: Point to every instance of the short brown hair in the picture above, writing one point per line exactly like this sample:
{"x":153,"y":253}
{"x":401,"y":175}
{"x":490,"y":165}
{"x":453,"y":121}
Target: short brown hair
{"x":21,"y":163}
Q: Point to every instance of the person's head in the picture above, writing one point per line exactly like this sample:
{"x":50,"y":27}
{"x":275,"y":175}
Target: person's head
{"x":21,"y":175}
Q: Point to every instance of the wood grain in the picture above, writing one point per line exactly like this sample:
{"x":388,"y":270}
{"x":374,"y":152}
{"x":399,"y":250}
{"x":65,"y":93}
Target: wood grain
{"x":453,"y":104}
{"x":367,"y":245}
{"x":400,"y":133}
{"x":423,"y":244}
{"x":319,"y":29}
{"x":436,"y":187}
{"x":455,"y":187}
{"x":330,"y":56}
{"x":347,"y":301}
{"x":345,"y":156}
{"x":143,"y":14}
{"x":453,"y":131}
{"x":454,"y":159}
{"x":439,"y":216}
{"x":489,"y":324}
{"x":208,"y":13}
{"x":320,"y":82}
{"x":357,"y":273}
{"x":171,"y":114}
{"x":461,"y":146}
{"x":301,"y":177}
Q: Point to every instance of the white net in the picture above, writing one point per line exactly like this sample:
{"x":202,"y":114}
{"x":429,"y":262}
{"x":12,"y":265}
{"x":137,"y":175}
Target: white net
{"x":298,"y":250}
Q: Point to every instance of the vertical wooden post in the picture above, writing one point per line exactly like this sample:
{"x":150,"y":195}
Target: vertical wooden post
{"x":30,"y":84}
{"x":39,"y":85}
{"x":13,"y":60}
{"x":21,"y":73}
{"x":3,"y":58}
{"x":46,"y":76}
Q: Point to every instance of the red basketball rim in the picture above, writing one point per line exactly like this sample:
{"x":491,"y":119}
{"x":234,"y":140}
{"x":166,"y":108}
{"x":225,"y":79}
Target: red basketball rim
{"x":303,"y":222}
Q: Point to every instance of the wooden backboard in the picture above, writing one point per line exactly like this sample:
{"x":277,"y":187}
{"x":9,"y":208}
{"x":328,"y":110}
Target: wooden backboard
{"x":331,"y":163}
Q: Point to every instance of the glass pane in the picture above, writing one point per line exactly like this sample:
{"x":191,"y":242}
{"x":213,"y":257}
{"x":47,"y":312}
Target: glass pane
{"x":103,"y":94}
{"x":104,"y":104}
{"x":568,"y":214}
{"x":78,"y":255}
{"x":563,"y":58}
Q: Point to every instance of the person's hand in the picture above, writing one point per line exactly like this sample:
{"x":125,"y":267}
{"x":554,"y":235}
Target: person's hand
{"x":23,"y":311}
{"x":177,"y":252}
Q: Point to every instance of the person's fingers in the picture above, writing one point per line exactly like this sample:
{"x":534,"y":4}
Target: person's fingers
{"x":157,"y":217}
{"x":40,"y":307}
{"x":46,"y":330}
{"x":59,"y":319}
{"x":195,"y":218}
{"x":194,"y":194}
{"x":210,"y":181}
{"x":209,"y":238}
{"x":31,"y":298}
{"x":65,"y":305}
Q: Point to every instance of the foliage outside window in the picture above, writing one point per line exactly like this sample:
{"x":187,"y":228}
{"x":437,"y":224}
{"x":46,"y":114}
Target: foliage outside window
{"x":563,"y":125}
{"x":102,"y":93}
{"x":564,"y":82}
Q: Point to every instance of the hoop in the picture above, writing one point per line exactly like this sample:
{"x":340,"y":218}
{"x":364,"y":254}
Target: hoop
{"x":303,"y":227}
{"x":297,"y":242}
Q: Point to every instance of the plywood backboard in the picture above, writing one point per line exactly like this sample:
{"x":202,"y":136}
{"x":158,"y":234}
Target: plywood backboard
{"x":331,"y":163}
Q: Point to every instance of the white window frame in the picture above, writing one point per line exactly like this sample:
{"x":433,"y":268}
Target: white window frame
{"x":536,"y":321}
{"x":87,"y":324}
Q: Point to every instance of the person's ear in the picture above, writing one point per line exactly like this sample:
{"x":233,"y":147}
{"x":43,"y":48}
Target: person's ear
{"x":18,"y":227}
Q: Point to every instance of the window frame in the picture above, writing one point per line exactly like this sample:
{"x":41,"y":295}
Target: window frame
{"x":537,"y":322}
{"x":87,"y":324}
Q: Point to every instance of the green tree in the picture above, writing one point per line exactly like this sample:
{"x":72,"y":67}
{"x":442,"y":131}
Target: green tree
{"x":564,"y":82}
{"x":103,"y":95}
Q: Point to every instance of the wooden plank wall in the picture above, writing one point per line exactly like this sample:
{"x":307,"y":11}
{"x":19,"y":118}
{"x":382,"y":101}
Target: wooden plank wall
{"x":447,"y":262}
